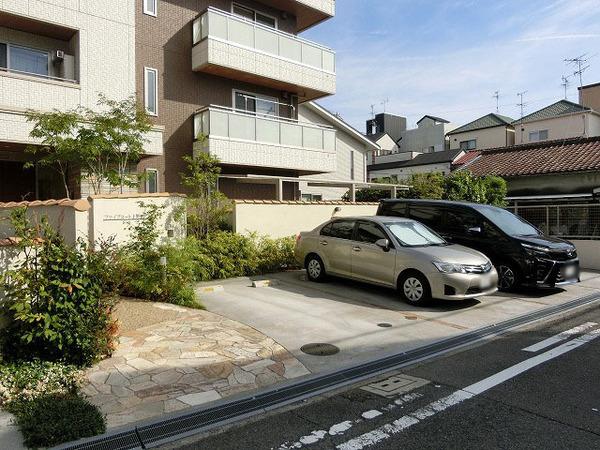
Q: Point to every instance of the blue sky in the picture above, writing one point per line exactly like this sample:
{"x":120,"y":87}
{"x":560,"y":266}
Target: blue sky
{"x":447,"y":57}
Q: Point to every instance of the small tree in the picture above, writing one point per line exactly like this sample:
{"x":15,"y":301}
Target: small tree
{"x":426,"y":185}
{"x":495,"y":190}
{"x":206,"y":206}
{"x":60,"y":147}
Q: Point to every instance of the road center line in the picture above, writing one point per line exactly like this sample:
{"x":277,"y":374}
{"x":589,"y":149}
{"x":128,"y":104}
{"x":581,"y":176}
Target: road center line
{"x":386,"y":431}
{"x":559,"y":337}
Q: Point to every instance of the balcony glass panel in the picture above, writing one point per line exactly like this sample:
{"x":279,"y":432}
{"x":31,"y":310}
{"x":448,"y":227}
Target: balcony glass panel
{"x":241,"y":127}
{"x":312,"y":137}
{"x":267,"y":131}
{"x":218,"y":123}
{"x":291,"y":135}
{"x":236,"y":30}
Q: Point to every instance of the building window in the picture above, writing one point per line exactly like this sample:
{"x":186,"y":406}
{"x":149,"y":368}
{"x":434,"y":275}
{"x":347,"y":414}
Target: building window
{"x":540,"y":135}
{"x":468,"y":145}
{"x":150,"y":7}
{"x":312,"y":197}
{"x":24,"y":59}
{"x":259,"y":104}
{"x":253,"y":15}
{"x":151,"y":91}
{"x":151,"y":181}
{"x":352,"y":165}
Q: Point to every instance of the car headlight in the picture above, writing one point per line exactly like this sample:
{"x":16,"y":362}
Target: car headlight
{"x":535,"y":250}
{"x":445,"y":267}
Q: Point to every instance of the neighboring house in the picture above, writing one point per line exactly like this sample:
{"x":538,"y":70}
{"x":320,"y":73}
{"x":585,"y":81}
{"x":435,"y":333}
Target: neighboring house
{"x":59,"y":56}
{"x":352,"y":149}
{"x":386,"y":144}
{"x":589,"y":96}
{"x":423,"y":163}
{"x":428,"y":137}
{"x":567,"y":167}
{"x":227,"y":78}
{"x":561,"y":120}
{"x":490,"y":131}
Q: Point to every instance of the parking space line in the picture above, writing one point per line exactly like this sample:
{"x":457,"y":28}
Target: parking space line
{"x":559,"y":337}
{"x":386,"y":431}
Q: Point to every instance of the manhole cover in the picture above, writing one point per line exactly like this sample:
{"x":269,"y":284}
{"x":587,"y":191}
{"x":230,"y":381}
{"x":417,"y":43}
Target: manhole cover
{"x":384,"y":325}
{"x":320,"y":349}
{"x":398,"y":384}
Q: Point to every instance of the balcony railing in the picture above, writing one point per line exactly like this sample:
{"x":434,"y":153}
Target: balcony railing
{"x":243,"y":32}
{"x":275,"y":141}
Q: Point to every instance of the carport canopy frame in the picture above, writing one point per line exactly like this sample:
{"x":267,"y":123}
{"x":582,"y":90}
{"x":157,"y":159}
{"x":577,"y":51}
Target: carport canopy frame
{"x":352,"y":186}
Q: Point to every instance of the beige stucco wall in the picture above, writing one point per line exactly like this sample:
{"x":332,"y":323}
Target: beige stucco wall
{"x":289,"y":219}
{"x":573,"y":125}
{"x":486,"y":138}
{"x":590,"y":97}
{"x":589,"y":254}
{"x":345,"y":145}
{"x":404,"y":173}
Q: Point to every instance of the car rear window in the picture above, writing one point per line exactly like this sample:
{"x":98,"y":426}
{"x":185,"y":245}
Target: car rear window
{"x":393,"y":209}
{"x":341,"y":229}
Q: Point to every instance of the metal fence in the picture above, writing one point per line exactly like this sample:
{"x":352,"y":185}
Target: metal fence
{"x":572,"y":221}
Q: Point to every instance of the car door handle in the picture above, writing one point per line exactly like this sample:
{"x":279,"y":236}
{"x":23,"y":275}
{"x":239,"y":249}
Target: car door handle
{"x":356,"y":249}
{"x":323,"y":243}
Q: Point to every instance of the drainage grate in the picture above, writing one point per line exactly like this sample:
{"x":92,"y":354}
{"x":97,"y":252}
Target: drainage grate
{"x":190,"y":423}
{"x":320,"y":349}
{"x":384,"y":325}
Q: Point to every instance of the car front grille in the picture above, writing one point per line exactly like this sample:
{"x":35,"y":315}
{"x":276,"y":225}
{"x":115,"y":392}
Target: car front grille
{"x":480,"y":268}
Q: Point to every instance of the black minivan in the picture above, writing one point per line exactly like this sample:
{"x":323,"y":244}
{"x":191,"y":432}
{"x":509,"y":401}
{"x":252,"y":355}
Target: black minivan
{"x":521,"y":253}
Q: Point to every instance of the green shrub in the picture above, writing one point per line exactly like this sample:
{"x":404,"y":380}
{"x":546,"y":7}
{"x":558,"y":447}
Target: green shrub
{"x":275,"y":254}
{"x":52,"y":419}
{"x":53,"y":306}
{"x":25,"y":381}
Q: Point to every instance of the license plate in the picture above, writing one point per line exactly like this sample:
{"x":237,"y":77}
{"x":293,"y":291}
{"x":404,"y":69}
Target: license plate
{"x":486,"y":283}
{"x":570,"y":271}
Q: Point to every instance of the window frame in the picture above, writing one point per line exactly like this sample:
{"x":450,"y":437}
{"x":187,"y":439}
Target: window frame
{"x":147,"y":171}
{"x":147,"y":11}
{"x":377,"y":226}
{"x":333,"y":222}
{"x":146,"y":91}
{"x":537,"y":134}
{"x":275,"y":100}
{"x":8,"y":67}
{"x":460,"y":144}
{"x":254,"y":11}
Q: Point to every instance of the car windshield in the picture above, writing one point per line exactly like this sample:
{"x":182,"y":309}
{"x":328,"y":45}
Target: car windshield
{"x":508,"y":222}
{"x":414,"y":234}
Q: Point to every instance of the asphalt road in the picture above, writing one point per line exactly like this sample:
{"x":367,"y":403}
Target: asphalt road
{"x":495,"y":395}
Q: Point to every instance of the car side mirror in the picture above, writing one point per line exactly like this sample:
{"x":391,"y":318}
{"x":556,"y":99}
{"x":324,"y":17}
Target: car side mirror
{"x":474,"y":230}
{"x":383,"y":244}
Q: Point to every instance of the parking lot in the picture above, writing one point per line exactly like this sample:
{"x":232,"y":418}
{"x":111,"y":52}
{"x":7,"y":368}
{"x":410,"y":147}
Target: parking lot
{"x":364,"y":321}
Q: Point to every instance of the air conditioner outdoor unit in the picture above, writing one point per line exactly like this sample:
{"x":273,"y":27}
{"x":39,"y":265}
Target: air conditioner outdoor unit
{"x":59,"y":56}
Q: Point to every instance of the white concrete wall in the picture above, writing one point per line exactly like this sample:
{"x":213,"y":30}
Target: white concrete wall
{"x":327,"y":6}
{"x":404,"y":173}
{"x":106,"y":62}
{"x":486,"y":138}
{"x":425,"y":136}
{"x":290,"y":218}
{"x":589,"y":253}
{"x":573,"y":125}
{"x":345,"y":145}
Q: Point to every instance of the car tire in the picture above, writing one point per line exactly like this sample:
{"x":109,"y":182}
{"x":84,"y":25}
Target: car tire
{"x":508,"y":277}
{"x":414,"y":288}
{"x":315,"y":269}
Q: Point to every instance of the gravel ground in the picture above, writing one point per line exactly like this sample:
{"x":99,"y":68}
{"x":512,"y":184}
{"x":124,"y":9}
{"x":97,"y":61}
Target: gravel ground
{"x":133,"y":314}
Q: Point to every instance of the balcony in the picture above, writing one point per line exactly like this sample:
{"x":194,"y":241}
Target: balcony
{"x":245,"y":139}
{"x":233,"y":47}
{"x":307,"y":12}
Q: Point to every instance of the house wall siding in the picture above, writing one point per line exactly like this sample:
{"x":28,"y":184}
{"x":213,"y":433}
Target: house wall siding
{"x":486,"y":138}
{"x":574,"y":125}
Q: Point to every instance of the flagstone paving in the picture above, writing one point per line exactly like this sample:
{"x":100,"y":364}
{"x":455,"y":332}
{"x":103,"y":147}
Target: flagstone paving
{"x":193,"y":357}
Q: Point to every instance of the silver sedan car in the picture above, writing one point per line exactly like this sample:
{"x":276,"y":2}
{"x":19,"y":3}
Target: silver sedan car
{"x":396,"y":252}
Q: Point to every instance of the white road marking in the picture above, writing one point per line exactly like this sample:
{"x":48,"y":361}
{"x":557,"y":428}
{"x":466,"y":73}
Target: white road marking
{"x":559,"y":337}
{"x":384,"y":432}
{"x":342,"y":427}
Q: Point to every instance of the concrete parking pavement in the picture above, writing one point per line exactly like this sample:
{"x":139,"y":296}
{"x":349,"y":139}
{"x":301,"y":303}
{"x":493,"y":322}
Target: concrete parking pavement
{"x":347,"y":314}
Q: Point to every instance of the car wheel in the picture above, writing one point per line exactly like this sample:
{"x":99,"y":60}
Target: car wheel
{"x":315,"y":269}
{"x":508,"y":278}
{"x":414,"y":288}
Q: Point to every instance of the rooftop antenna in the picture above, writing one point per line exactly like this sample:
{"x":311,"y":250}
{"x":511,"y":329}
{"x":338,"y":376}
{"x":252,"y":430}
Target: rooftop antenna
{"x":373,"y":112}
{"x":384,"y":103}
{"x":565,"y":83}
{"x":522,"y":105}
{"x":581,"y":64}
{"x":497,"y":97}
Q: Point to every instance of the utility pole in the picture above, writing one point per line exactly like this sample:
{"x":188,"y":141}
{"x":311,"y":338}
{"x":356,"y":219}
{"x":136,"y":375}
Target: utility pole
{"x":497,"y":97}
{"x":580,"y":63}
{"x":522,"y":105}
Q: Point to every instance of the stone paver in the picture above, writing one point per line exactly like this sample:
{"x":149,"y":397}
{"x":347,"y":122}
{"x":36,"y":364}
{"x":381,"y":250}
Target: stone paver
{"x":192,"y":358}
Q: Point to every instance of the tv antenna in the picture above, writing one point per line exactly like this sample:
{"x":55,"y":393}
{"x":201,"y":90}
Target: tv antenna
{"x":497,"y":97}
{"x":581,"y":64}
{"x":521,"y":103}
{"x":384,"y":103}
{"x":372,"y":111}
{"x":565,"y":83}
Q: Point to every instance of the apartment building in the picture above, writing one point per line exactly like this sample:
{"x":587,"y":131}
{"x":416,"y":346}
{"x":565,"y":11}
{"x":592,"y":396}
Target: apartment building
{"x":59,"y":55}
{"x":227,"y":78}
{"x":560,"y":120}
{"x":490,"y":131}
